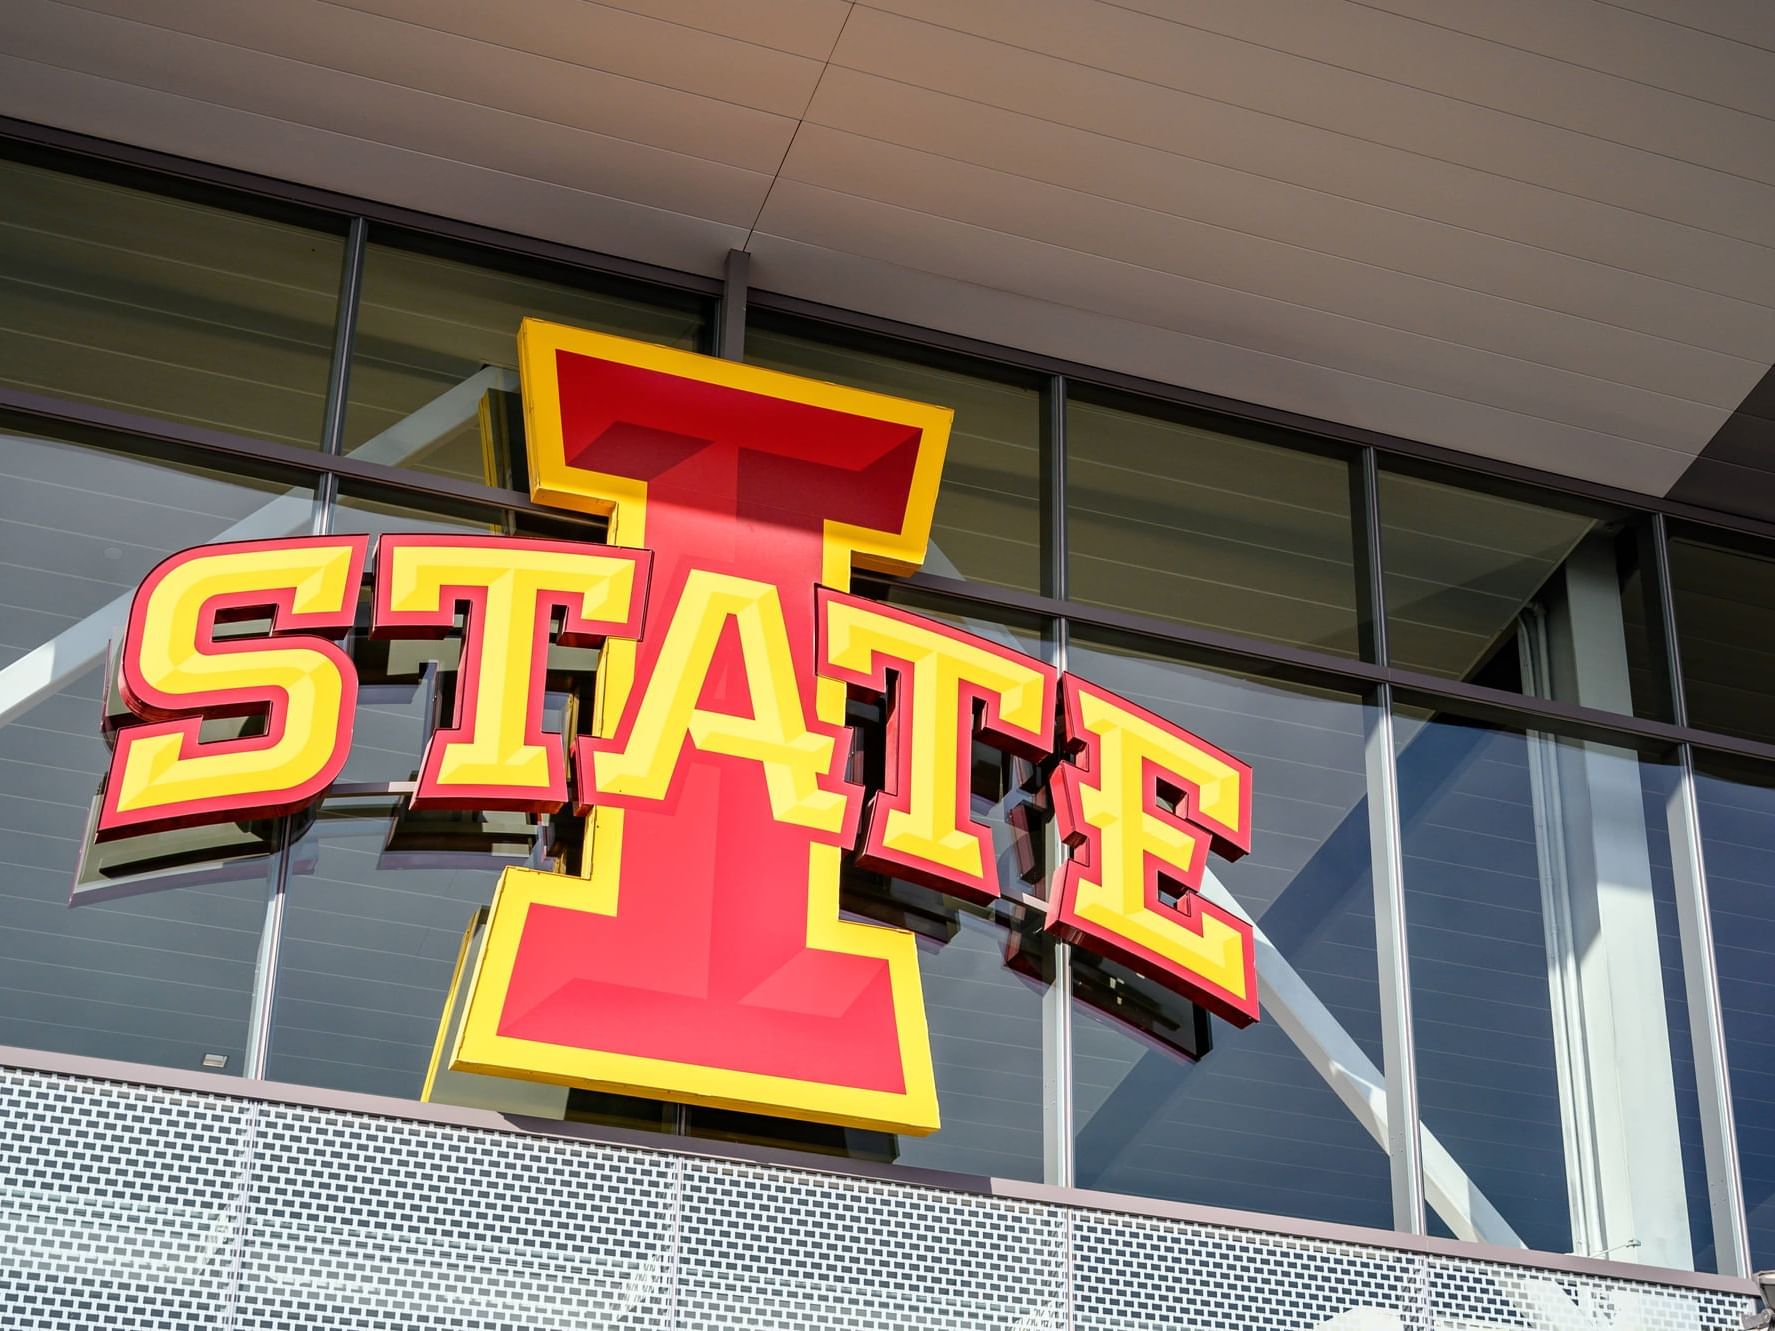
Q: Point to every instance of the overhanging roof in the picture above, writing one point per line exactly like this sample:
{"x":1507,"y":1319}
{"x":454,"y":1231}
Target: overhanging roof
{"x":1542,"y":233}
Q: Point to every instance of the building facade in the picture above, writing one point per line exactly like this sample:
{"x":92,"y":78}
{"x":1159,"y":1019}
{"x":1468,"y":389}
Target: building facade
{"x":1513,"y":755}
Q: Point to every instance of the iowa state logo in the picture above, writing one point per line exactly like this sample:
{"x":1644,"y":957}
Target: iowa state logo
{"x":696,"y":952}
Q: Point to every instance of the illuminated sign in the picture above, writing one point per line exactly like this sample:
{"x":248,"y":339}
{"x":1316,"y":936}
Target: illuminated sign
{"x":697,"y":951}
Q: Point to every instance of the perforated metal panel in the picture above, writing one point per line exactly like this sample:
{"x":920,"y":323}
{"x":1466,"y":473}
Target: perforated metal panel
{"x":119,"y":1205}
{"x":125,"y":1206}
{"x":768,"y":1248}
{"x":1138,"y":1273}
{"x":358,"y":1222}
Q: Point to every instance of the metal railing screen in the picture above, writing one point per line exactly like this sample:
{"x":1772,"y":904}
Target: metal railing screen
{"x":135,"y":1207}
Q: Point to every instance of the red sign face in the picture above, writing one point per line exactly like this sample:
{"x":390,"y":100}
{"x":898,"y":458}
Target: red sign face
{"x":698,"y":952}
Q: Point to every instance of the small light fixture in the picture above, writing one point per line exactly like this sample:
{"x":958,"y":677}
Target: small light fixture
{"x":215,"y":1060}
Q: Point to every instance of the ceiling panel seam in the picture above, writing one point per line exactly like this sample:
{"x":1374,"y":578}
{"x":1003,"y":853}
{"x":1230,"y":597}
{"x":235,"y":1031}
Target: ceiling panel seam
{"x":1562,"y":314}
{"x":1605,"y":437}
{"x":1626,"y":390}
{"x":1766,"y":244}
{"x":274,"y":124}
{"x":1458,"y":99}
{"x":107,"y":16}
{"x":478,"y":39}
{"x":1735,"y":297}
{"x":1692,"y":27}
{"x":1567,"y":60}
{"x":790,"y":146}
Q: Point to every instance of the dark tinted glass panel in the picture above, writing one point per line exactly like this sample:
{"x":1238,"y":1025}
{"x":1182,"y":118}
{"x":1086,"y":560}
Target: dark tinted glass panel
{"x":152,"y":305}
{"x":1276,"y":1117}
{"x":1555,"y":1074}
{"x":156,"y":961}
{"x":1725,"y":627}
{"x":1738,"y":840}
{"x":1184,"y":523}
{"x":378,"y":518}
{"x":435,"y":335}
{"x":378,"y":902}
{"x":382,"y":897}
{"x":988,"y":523}
{"x":1517,"y":595}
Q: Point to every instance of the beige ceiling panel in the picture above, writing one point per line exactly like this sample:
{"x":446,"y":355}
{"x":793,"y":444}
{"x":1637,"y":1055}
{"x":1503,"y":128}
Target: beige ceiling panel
{"x":633,"y":44}
{"x":1278,"y":84}
{"x":347,"y":104}
{"x":1485,"y":73}
{"x":426,"y":59}
{"x":1067,"y":277}
{"x":86,"y":104}
{"x":815,"y":273}
{"x":806,"y":27}
{"x":1748,"y":21}
{"x":1593,"y":34}
{"x":1248,"y":204}
{"x":1228,"y":265}
{"x":1073,"y":94}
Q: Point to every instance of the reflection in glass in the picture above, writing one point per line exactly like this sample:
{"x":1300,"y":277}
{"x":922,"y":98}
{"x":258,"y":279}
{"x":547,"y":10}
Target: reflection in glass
{"x":1737,"y":807}
{"x":354,"y":514}
{"x":988,"y":523}
{"x":1277,"y":1117}
{"x":1169,"y":519}
{"x":372,"y":933}
{"x":153,"y":305}
{"x":985,"y":971}
{"x":1548,"y":998}
{"x":1725,"y":626}
{"x":434,"y":335}
{"x":156,"y":962}
{"x":1209,"y":529}
{"x":405,"y":685}
{"x":1517,"y":595}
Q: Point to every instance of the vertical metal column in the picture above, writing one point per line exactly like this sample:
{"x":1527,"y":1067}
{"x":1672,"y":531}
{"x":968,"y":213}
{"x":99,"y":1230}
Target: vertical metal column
{"x":351,"y":281}
{"x":326,"y":498}
{"x":730,"y":324}
{"x":1057,"y":1121}
{"x":1719,"y":1139}
{"x":1387,"y":869}
{"x":1611,"y":1039}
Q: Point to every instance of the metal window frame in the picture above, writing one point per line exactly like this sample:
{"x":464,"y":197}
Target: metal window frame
{"x":1387,"y":866}
{"x":1707,"y":1035}
{"x":1373,"y":677}
{"x":1057,"y":1025}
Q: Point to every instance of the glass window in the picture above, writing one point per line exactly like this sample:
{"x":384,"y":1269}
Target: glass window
{"x":1738,"y":843}
{"x":988,"y":524}
{"x":985,"y":971}
{"x":1279,"y":1116}
{"x":144,"y":949}
{"x":1725,"y":627}
{"x":1555,"y":1078}
{"x":405,"y":683}
{"x":382,"y":905}
{"x":1169,"y":519}
{"x":435,"y":335}
{"x":355,"y":514}
{"x":166,"y":308}
{"x":381,"y":897}
{"x":1517,"y":595}
{"x":377,"y":905}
